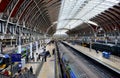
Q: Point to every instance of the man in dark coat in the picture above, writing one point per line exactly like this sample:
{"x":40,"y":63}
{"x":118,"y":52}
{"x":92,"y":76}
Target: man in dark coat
{"x":53,"y":51}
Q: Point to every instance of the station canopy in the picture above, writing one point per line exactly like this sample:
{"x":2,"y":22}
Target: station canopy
{"x":73,"y":13}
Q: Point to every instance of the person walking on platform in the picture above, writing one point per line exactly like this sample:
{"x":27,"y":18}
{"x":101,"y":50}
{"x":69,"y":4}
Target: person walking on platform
{"x":96,"y":51}
{"x":31,"y":69}
{"x":48,"y":54}
{"x":27,"y":59}
{"x":45,"y":57}
{"x":53,"y":51}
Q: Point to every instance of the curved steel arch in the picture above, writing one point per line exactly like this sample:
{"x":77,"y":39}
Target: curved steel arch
{"x":103,"y":23}
{"x":106,"y":20}
{"x":117,"y":9}
{"x":116,"y":15}
{"x":34,"y":14}
{"x":42,"y":15}
{"x":32,"y":8}
{"x":40,"y":22}
{"x":19,"y":7}
{"x":25,"y":9}
{"x":98,"y":21}
{"x":9,"y":17}
{"x":110,"y":19}
{"x":114,"y":21}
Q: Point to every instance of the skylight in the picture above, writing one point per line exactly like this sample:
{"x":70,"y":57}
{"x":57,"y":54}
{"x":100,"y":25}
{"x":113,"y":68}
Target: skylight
{"x":82,"y":10}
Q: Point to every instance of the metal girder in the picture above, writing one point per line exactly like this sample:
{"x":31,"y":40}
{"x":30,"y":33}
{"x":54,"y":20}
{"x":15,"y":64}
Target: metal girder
{"x":40,"y":12}
{"x":10,"y":7}
{"x":117,"y":10}
{"x":23,"y":12}
{"x":27,"y":10}
{"x":41,"y":25}
{"x":107,"y":19}
{"x":37,"y":14}
{"x":30,"y":10}
{"x":41,"y":21}
{"x":116,"y":15}
{"x":33,"y":13}
{"x":9,"y":17}
{"x":103,"y":23}
{"x":113,"y":20}
{"x":33,"y":7}
{"x":30,"y":14}
{"x":98,"y":21}
{"x":110,"y":19}
{"x":21,"y":9}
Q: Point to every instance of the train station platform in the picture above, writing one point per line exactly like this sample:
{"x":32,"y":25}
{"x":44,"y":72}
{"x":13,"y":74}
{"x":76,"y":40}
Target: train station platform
{"x":43,"y":69}
{"x":113,"y":62}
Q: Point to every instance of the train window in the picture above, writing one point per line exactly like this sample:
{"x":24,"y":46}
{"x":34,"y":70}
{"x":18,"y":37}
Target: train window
{"x":1,"y":60}
{"x":0,"y":27}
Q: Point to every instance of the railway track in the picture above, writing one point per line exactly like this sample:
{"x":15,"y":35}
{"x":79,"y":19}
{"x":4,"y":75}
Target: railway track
{"x":83,"y":66}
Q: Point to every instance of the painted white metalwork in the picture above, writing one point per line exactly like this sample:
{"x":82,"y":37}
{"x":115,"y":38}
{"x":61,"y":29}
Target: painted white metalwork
{"x":82,"y":9}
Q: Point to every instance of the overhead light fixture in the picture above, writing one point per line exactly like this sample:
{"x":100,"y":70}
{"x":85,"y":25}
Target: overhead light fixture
{"x":115,"y":29}
{"x":100,"y":29}
{"x":72,"y":0}
{"x":91,"y":22}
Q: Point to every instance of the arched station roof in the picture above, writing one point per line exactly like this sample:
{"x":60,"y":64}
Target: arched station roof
{"x":39,"y":15}
{"x":108,"y":20}
{"x":35,"y":14}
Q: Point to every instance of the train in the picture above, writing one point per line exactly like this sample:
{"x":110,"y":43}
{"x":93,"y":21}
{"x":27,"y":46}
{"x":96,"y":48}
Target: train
{"x":113,"y":49}
{"x":5,"y":59}
{"x":101,"y":46}
{"x":68,"y":72}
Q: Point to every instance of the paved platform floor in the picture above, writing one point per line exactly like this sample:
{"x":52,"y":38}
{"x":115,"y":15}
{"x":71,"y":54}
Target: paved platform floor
{"x":113,"y":62}
{"x":47,"y":69}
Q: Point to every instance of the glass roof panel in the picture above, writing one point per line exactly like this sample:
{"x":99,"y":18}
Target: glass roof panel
{"x":78,"y":11}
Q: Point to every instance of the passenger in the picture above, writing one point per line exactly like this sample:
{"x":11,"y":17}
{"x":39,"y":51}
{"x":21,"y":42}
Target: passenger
{"x":25,"y":72}
{"x":39,"y":57}
{"x":21,"y":73}
{"x":33,"y":59}
{"x":96,"y":51}
{"x":9,"y":73}
{"x":15,"y":46}
{"x":31,"y":69}
{"x":19,"y":70}
{"x":45,"y":57}
{"x":16,"y":75}
{"x":26,"y":69}
{"x":44,"y":49}
{"x":53,"y":51}
{"x":6,"y":72}
{"x":48,"y":54}
{"x":44,"y":54}
{"x":27,"y":59}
